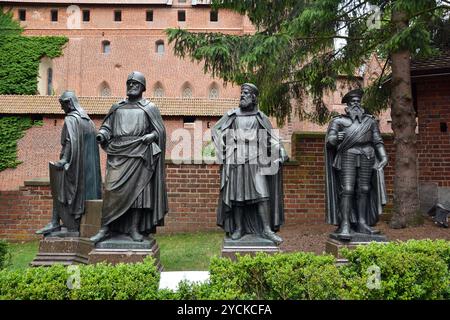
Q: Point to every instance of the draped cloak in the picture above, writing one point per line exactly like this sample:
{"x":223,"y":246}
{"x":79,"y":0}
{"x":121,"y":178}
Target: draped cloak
{"x":377,"y":194}
{"x":80,"y":178}
{"x":225,"y":218}
{"x":135,"y":170}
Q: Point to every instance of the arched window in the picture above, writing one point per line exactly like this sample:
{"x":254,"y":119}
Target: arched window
{"x":213,"y":91}
{"x":158,"y":90}
{"x":106,"y":47}
{"x":49,"y":81}
{"x":105,"y":90}
{"x":187,"y":91}
{"x":159,"y":46}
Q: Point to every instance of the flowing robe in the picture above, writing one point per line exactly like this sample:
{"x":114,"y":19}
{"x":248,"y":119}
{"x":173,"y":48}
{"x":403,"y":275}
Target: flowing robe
{"x":135,"y":172}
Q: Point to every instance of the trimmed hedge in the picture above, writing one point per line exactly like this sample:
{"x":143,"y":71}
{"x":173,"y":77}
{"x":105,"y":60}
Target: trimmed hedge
{"x":103,"y":281}
{"x":4,"y":254}
{"x":407,"y":270}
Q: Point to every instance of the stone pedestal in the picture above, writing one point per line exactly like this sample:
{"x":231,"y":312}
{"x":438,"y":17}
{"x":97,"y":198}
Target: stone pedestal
{"x":91,"y":220}
{"x":334,"y":245}
{"x":248,"y":244}
{"x":65,"y":251}
{"x":122,"y":249}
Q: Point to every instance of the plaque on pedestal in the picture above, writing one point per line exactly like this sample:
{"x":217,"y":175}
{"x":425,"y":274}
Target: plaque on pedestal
{"x":248,"y":244}
{"x":66,"y":251}
{"x":122,"y":249}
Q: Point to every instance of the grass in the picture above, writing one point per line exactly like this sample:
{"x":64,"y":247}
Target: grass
{"x":190,"y":251}
{"x":178,"y":252}
{"x":22,"y":254}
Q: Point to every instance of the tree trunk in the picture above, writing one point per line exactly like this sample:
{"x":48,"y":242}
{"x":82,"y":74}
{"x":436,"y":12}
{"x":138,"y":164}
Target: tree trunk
{"x":406,"y":200}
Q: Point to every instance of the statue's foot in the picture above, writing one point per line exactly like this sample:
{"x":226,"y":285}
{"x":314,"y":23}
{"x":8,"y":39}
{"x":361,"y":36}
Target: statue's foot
{"x":136,"y":236}
{"x":237,"y":234}
{"x":364,"y":228}
{"x":344,"y":233}
{"x":269,"y":234}
{"x":50,"y":227}
{"x":101,"y":235}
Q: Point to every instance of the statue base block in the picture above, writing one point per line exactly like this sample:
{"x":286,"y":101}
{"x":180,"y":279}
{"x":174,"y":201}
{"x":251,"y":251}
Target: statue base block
{"x":66,"y":251}
{"x":334,"y":245}
{"x":123,"y":249}
{"x":248,"y":244}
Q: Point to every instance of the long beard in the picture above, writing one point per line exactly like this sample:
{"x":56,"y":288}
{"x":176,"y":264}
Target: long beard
{"x":356,"y":113}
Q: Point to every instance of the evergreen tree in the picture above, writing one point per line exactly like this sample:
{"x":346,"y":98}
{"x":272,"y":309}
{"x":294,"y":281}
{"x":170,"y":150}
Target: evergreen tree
{"x":293,"y":55}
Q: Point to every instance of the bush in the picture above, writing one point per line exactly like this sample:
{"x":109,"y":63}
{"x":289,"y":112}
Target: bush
{"x":96,"y":282}
{"x":5,"y":256}
{"x":417,"y":269}
{"x":279,"y":276}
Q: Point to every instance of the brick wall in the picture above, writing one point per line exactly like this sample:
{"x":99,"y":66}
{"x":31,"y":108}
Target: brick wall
{"x":433,"y":106}
{"x":193,"y":194}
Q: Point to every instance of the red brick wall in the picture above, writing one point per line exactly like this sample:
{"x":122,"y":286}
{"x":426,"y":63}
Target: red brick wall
{"x":433,"y":106}
{"x":193,"y":194}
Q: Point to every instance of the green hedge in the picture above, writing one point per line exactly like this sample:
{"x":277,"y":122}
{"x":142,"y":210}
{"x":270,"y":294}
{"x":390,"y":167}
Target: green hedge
{"x":96,"y":282}
{"x":410,"y":270}
{"x":4,"y":254}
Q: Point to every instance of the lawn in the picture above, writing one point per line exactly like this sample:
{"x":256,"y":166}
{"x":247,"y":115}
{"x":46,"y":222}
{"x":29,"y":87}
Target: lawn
{"x":179,"y":252}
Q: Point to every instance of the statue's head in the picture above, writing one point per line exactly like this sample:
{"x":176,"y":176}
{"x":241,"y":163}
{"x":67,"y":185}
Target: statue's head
{"x":135,"y":84}
{"x":353,"y":98}
{"x":249,"y":96}
{"x":67,"y":101}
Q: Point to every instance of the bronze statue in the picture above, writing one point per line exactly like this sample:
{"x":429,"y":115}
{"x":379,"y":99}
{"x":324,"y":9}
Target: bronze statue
{"x":76,"y":176}
{"x":134,"y":137}
{"x":354,"y":158}
{"x":251,"y":156}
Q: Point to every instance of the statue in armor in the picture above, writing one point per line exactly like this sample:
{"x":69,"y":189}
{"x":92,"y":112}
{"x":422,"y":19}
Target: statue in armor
{"x":251,"y":185}
{"x":354,"y":158}
{"x":134,"y":138}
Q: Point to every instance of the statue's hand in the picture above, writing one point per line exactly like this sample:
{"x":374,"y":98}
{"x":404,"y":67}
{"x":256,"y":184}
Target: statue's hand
{"x":149,"y":138}
{"x":382,"y":163}
{"x":340,"y":136}
{"x":60,"y":164}
{"x":100,"y":138}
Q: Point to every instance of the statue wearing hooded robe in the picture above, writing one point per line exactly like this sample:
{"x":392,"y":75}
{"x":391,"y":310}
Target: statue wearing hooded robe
{"x":134,"y":138}
{"x":354,"y":158}
{"x":76,"y":177}
{"x":251,"y":157}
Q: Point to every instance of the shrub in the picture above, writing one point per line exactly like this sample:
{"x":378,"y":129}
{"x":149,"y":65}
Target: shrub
{"x":412,"y":270}
{"x":101,"y":281}
{"x":5,"y":256}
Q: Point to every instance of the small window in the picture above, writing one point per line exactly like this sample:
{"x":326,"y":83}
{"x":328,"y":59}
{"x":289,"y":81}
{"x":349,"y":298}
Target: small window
{"x":117,"y":15}
{"x":160,"y":47}
{"x":106,"y":47}
{"x":86,"y":15}
{"x":214,"y":93}
{"x":181,"y":15}
{"x":149,"y":15}
{"x":49,"y":81}
{"x":159,"y":92}
{"x":213,"y":16}
{"x":22,"y":14}
{"x":54,"y":15}
{"x":187,"y":93}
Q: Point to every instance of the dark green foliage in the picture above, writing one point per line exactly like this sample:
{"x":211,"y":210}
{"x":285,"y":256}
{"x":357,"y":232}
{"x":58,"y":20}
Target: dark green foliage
{"x":20,"y":57}
{"x":11,"y":130}
{"x":291,"y":56}
{"x":19,"y":61}
{"x":411,"y":270}
{"x":417,"y":269}
{"x":97,"y":282}
{"x":5,"y":255}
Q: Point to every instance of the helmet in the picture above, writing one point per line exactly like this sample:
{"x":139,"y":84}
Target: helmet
{"x":137,"y":76}
{"x":353,"y":93}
